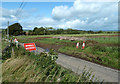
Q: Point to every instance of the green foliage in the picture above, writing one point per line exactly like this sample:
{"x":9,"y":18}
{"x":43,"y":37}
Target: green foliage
{"x":6,"y":50}
{"x":15,"y":29}
{"x":6,"y":54}
{"x":52,"y":31}
{"x":98,"y":48}
{"x":53,"y":54}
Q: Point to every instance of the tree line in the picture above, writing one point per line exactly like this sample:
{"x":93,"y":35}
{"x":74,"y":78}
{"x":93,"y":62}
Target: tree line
{"x":16,"y":29}
{"x":53,"y":31}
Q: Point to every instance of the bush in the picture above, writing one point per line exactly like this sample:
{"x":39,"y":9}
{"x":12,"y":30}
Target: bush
{"x":53,"y":54}
{"x":99,"y":48}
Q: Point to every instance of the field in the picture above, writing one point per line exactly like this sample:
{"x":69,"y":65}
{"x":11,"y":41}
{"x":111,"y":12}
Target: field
{"x":100,"y":48}
{"x":34,"y":36}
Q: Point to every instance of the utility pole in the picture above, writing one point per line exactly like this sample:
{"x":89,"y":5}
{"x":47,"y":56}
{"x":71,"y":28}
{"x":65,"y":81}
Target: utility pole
{"x":8,"y":31}
{"x":44,"y":32}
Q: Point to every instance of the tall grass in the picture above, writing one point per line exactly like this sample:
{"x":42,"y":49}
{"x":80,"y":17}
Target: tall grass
{"x":28,"y":67}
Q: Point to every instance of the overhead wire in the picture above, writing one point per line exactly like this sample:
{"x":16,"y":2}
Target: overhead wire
{"x":22,"y":8}
{"x":22,"y":5}
{"x":19,"y":8}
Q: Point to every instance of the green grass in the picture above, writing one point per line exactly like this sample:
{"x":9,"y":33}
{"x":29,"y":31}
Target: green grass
{"x":34,"y":36}
{"x":4,"y":44}
{"x":107,"y":40}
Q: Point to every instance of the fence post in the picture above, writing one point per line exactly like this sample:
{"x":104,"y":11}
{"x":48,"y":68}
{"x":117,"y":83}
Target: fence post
{"x":12,"y":55}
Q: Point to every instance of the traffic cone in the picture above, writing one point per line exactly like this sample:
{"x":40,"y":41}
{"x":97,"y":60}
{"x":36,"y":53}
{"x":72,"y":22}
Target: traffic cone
{"x":83,"y":46}
{"x":77,"y":45}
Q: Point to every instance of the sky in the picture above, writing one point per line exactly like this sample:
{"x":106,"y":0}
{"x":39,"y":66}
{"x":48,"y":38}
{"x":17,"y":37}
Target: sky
{"x":76,"y":15}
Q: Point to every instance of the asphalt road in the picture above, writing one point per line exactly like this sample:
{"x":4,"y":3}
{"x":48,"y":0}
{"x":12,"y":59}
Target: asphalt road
{"x":77,"y":66}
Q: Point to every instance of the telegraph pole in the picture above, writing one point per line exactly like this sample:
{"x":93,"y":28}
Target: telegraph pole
{"x":44,"y":32}
{"x":8,"y":31}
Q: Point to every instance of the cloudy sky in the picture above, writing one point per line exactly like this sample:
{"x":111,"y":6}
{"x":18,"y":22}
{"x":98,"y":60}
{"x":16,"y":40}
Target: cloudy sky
{"x":76,"y":15}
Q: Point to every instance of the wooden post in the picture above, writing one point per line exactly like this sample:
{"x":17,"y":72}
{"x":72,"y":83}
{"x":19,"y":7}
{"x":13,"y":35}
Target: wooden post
{"x":12,"y":55}
{"x":8,"y":31}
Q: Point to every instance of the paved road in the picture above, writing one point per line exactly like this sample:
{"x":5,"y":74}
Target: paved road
{"x":77,"y":65}
{"x":101,"y":72}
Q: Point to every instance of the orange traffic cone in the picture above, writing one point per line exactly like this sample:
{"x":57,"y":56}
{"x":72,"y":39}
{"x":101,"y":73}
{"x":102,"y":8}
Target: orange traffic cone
{"x":77,"y":45}
{"x":83,"y":46}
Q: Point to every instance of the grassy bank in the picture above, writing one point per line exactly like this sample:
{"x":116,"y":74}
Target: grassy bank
{"x":24,"y":66}
{"x":4,"y":44}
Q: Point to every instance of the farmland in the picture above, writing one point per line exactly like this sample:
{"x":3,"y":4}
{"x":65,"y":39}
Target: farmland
{"x":100,"y":48}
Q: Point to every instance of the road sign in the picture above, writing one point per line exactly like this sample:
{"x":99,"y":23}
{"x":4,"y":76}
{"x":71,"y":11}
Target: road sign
{"x":30,"y":46}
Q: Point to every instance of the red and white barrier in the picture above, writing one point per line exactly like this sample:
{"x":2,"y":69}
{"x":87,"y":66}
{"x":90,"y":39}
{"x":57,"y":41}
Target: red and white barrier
{"x":15,"y":40}
{"x":77,"y":45}
{"x":83,"y":46}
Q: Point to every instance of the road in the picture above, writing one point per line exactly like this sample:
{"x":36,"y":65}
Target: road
{"x":77,"y":66}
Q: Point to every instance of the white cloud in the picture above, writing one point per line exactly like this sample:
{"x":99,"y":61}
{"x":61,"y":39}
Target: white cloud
{"x":106,"y":19}
{"x":81,"y":15}
{"x":73,"y":24}
{"x":10,"y":15}
{"x":76,"y":11}
{"x":97,"y":15}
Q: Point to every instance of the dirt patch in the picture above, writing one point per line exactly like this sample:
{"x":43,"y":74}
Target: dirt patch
{"x":91,"y":43}
{"x":72,"y":38}
{"x":56,"y":47}
{"x":39,"y":38}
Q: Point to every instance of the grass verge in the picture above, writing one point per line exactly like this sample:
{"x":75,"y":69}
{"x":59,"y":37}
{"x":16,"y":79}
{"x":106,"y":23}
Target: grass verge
{"x":25,"y":66}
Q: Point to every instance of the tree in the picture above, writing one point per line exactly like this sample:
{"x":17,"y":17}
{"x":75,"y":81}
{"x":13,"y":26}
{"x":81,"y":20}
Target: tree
{"x":100,"y":31}
{"x":15,"y":29}
{"x":59,"y":31}
{"x":35,"y":29}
